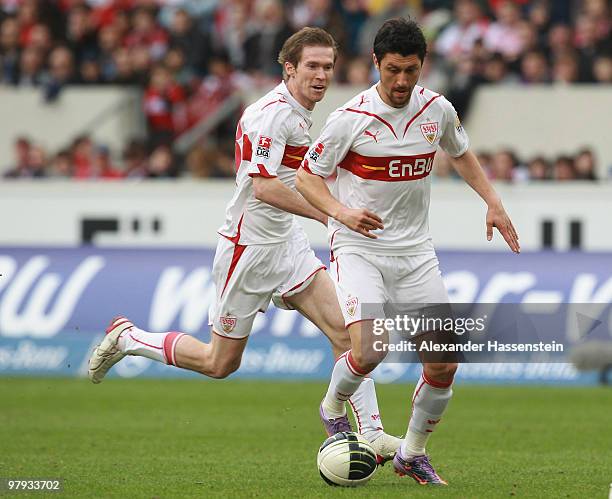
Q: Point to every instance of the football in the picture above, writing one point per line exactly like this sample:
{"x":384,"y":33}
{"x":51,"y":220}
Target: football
{"x":346,"y":459}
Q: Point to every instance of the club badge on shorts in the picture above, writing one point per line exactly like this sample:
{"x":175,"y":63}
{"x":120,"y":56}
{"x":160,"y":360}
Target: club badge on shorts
{"x":263,"y":147}
{"x":228,"y":323}
{"x":430,"y":131}
{"x":351,"y":305}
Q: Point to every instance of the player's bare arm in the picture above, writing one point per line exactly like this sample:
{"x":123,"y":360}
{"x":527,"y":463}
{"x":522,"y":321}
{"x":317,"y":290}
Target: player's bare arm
{"x":470,"y":170}
{"x":273,"y":192}
{"x":315,"y":191}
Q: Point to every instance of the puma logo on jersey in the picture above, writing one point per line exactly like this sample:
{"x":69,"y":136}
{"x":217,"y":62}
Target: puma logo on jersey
{"x":363,"y":101}
{"x":430,"y":131}
{"x":373,"y":135}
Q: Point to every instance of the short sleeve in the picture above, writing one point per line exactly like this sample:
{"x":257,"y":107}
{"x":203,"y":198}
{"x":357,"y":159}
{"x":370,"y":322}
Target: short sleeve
{"x":454,"y":139}
{"x":330,"y":148}
{"x":269,"y":142}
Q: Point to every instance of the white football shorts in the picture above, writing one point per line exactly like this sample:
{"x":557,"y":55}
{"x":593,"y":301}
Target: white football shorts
{"x":248,"y":277}
{"x":366,"y":282}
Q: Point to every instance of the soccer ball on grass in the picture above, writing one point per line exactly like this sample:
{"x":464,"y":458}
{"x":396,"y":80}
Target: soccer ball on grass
{"x":346,"y":459}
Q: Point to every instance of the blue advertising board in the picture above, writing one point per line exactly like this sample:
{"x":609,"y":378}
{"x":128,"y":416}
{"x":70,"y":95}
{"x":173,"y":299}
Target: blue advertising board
{"x":56,"y":302}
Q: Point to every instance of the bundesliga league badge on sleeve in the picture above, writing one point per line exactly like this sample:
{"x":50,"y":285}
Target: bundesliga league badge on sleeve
{"x":263,"y":147}
{"x":317,"y":151}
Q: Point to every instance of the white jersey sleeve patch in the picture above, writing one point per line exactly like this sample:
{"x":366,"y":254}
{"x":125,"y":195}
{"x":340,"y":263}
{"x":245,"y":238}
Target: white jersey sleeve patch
{"x":454,"y":139}
{"x":269,"y":142}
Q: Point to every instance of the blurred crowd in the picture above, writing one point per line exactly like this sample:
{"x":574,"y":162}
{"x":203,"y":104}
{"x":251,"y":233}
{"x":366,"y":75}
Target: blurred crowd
{"x":85,"y":159}
{"x":190,"y":55}
{"x":504,"y":165}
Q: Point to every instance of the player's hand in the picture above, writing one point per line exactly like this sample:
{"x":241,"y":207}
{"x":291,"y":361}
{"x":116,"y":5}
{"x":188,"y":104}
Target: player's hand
{"x":498,"y":218}
{"x":360,"y":220}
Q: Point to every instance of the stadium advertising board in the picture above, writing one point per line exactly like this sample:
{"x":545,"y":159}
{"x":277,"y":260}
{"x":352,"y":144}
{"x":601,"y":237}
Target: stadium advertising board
{"x":55,"y":304}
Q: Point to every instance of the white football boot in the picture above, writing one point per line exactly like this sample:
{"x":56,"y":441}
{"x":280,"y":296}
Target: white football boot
{"x":385,"y":447}
{"x":107,"y":353}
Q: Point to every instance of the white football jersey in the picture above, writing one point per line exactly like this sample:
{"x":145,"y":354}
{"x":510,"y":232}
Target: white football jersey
{"x":271,"y":140}
{"x":383,"y":157}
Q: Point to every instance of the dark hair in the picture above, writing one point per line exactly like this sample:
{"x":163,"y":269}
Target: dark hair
{"x":307,"y":37}
{"x":400,"y":36}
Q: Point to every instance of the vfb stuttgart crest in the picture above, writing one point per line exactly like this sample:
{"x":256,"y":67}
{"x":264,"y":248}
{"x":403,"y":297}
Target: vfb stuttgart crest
{"x":351,"y":305}
{"x":263,"y":147}
{"x":228,"y":323}
{"x":430,"y":131}
{"x":317,"y":151}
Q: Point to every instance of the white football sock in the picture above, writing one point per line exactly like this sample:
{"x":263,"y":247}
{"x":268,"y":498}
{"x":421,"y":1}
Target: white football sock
{"x":345,"y":380}
{"x":365,"y":409}
{"x":156,"y":346}
{"x":428,"y":404}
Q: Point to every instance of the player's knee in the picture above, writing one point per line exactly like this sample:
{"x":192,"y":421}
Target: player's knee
{"x":441,"y":371}
{"x":366,"y":360}
{"x":222,"y":371}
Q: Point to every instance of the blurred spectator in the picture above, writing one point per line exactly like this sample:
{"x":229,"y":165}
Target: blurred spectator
{"x":80,"y":36}
{"x":146,"y":33}
{"x":102,"y":166}
{"x":261,"y":48}
{"x":9,"y":50}
{"x":495,"y":70}
{"x":195,"y":45}
{"x":602,"y":69}
{"x":539,"y":169}
{"x":563,"y":168}
{"x":584,"y":165}
{"x":30,"y":67}
{"x":161,"y":163}
{"x":391,"y":8}
{"x":534,"y":68}
{"x":565,"y":68}
{"x":90,"y":73}
{"x":182,"y":73}
{"x":61,"y":165}
{"x":504,"y":35}
{"x":23,"y":167}
{"x":358,"y":72}
{"x":459,"y":37}
{"x":82,"y":156}
{"x":539,"y":18}
{"x":123,"y":71}
{"x":503,"y":164}
{"x":61,"y":72}
{"x":135,"y":159}
{"x":161,"y":99}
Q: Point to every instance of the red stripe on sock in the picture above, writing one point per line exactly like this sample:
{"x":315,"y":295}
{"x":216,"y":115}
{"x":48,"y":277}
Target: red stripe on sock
{"x":143,"y":343}
{"x":173,"y":347}
{"x":354,"y":366}
{"x":356,"y":412}
{"x":437,"y":384}
{"x":169,"y":346}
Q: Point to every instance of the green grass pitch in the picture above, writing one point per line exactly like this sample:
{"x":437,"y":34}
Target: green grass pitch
{"x":192,"y":438}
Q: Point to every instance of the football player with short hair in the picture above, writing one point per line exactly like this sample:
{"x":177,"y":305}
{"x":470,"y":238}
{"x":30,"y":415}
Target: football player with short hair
{"x":263,"y":254}
{"x":382,"y":144}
